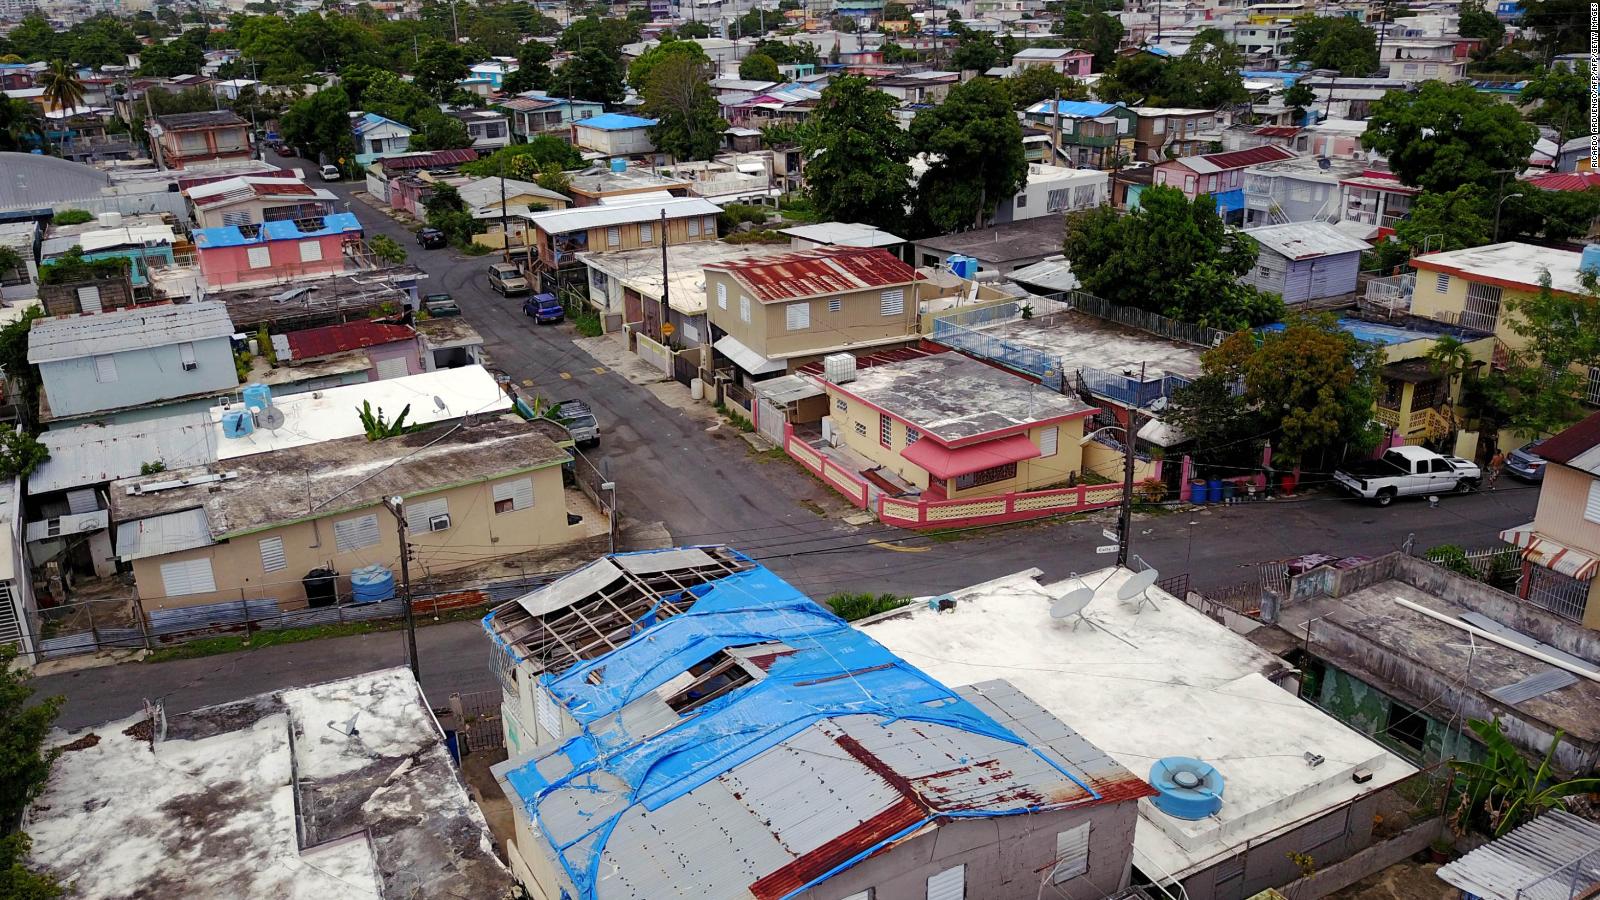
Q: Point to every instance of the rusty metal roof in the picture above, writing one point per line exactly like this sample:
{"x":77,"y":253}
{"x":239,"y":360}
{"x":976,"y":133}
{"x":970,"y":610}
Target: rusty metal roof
{"x":825,"y":270}
{"x":355,"y":335}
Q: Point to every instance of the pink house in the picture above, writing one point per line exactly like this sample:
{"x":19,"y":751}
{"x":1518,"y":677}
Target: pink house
{"x":1221,"y":175}
{"x":275,"y":251}
{"x":1063,"y":60}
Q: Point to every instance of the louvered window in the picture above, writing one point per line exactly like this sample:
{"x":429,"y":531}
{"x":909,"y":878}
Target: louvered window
{"x":951,"y":884}
{"x":893,"y":303}
{"x":1072,"y":854}
{"x":1591,"y":507}
{"x":310,"y":251}
{"x":419,"y":512}
{"x":89,"y":299}
{"x":613,"y":237}
{"x":647,"y":233}
{"x":513,"y":495}
{"x":272,"y":558}
{"x":191,"y":576}
{"x":797,"y":316}
{"x":259,"y":257}
{"x":354,"y":534}
{"x":236,"y":219}
{"x":744,"y":308}
{"x":1049,"y":438}
{"x":835,"y":304}
{"x":722,"y":294}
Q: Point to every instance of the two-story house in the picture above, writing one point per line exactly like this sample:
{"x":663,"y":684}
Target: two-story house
{"x":113,"y":363}
{"x":1423,"y":60}
{"x":489,"y":129}
{"x":617,"y":182}
{"x":535,"y":114}
{"x":277,"y":251}
{"x":377,"y":136}
{"x":1053,"y":191}
{"x":1220,"y":175}
{"x":253,"y":199}
{"x":1087,"y":134}
{"x":1162,"y":131}
{"x":184,"y":140}
{"x":1296,"y":190}
{"x":1377,"y":199}
{"x":614,"y":134}
{"x":919,"y":88}
{"x":774,"y":314}
{"x":561,"y":234}
{"x":1561,"y":546}
{"x":1067,"y":61}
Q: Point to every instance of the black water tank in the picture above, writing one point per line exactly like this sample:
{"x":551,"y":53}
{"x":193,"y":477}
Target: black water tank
{"x":322,"y":587}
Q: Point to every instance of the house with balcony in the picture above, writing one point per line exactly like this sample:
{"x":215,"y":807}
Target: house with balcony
{"x":1303,"y":189}
{"x":1219,"y":175}
{"x":486,"y":78}
{"x":489,"y":129}
{"x":377,"y":136}
{"x":1377,"y":200}
{"x":1090,"y":134}
{"x":278,"y":251}
{"x":1163,"y":132}
{"x":772,"y":314}
{"x":1560,"y":548}
{"x":561,"y":234}
{"x":614,"y":134}
{"x":253,"y":199}
{"x":534,"y":114}
{"x":1471,"y":287}
{"x":1423,"y":60}
{"x":187,"y":140}
{"x":1067,"y":61}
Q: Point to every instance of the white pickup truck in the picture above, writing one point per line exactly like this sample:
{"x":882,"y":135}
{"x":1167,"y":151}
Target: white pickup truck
{"x":1407,"y":471}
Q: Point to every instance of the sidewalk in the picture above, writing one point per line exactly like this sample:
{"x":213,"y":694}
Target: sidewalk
{"x":611,"y":351}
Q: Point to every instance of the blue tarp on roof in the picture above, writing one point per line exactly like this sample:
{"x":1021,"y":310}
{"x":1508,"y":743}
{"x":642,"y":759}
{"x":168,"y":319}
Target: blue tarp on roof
{"x":1074,"y":108}
{"x":1229,"y":201}
{"x":615,"y":122}
{"x":288,"y":229}
{"x":1287,"y":78}
{"x":822,"y":668}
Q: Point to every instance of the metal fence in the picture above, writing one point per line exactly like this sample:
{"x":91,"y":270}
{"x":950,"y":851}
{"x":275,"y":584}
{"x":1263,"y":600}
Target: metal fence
{"x":1502,"y":568}
{"x":477,"y":720}
{"x":958,"y":330}
{"x":593,"y":483}
{"x":1126,"y":390}
{"x":1144,"y":320}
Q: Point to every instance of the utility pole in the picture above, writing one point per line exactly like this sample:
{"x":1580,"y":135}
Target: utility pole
{"x":1055,"y":131}
{"x":397,"y":507}
{"x":505,"y":228}
{"x":1125,"y":518}
{"x":666,"y":280}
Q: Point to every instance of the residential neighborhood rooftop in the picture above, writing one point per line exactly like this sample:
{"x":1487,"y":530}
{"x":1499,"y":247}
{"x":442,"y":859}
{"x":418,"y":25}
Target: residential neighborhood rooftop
{"x":999,"y":244}
{"x":1306,"y":240}
{"x":1578,"y":446}
{"x":640,"y":270}
{"x":72,"y":337}
{"x":843,"y":234}
{"x":583,"y":218}
{"x":822,"y":270}
{"x":310,"y":343}
{"x":602,"y":179}
{"x":1509,"y":264}
{"x":205,"y":119}
{"x":1078,"y":340}
{"x":614,"y":122}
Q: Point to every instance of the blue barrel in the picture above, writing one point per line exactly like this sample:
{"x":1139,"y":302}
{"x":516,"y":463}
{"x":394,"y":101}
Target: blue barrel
{"x":257,"y":396}
{"x":1198,"y":491}
{"x":238,"y":423}
{"x":1214,"y":490}
{"x":370,"y":584}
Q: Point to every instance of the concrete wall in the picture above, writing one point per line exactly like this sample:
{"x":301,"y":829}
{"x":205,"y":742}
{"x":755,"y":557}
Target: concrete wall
{"x":257,"y":208}
{"x":231,"y":265}
{"x":476,"y":533}
{"x":1269,"y":865}
{"x":1432,"y":303}
{"x":623,"y":142}
{"x":858,"y":321}
{"x":62,"y":299}
{"x":144,"y":375}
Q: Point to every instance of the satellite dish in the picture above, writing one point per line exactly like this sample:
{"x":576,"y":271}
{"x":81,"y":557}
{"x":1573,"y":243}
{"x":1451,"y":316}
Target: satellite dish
{"x":271,"y":418}
{"x":1139,"y":586}
{"x":1072,"y":604}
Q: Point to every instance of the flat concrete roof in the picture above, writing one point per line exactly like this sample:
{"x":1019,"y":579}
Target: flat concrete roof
{"x":269,"y":489}
{"x":1510,"y":262}
{"x":1082,"y":341}
{"x":1003,"y":243}
{"x":1148,"y":684}
{"x":640,"y":270}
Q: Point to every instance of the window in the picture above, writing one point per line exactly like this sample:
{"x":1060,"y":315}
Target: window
{"x":1158,"y":126}
{"x":744,"y":308}
{"x":272,"y":558}
{"x":105,"y":369}
{"x":797,"y":316}
{"x":951,"y":884}
{"x":259,"y":257}
{"x":912,"y":435}
{"x":647,"y":233}
{"x":722,"y":296}
{"x":353,"y":534}
{"x":694,"y":228}
{"x":885,"y":430}
{"x":840,"y":405}
{"x":599,"y":281}
{"x":186,"y":356}
{"x":835,"y":304}
{"x":861,"y":895}
{"x":1048,"y":440}
{"x":311,"y":251}
{"x":1072,"y":854}
{"x":513,"y":495}
{"x":861,"y":429}
{"x":192,"y":576}
{"x":419,"y":513}
{"x":237,"y":218}
{"x":1591,"y":392}
{"x":1022,"y":200}
{"x":613,"y":237}
{"x":893,"y":303}
{"x":1441,"y":283}
{"x":1591,"y":505}
{"x":991,"y":475}
{"x":1430,"y":69}
{"x":1406,"y":726}
{"x":710,"y":226}
{"x":1411,"y":68}
{"x":1188,"y":184}
{"x":1211,"y":182}
{"x":1056,"y":200}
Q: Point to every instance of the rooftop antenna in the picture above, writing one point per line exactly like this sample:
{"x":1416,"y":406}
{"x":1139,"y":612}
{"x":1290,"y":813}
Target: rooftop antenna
{"x":1072,"y":605}
{"x":1139,"y":586}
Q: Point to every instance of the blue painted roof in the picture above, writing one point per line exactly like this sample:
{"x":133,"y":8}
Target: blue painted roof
{"x":235,"y":236}
{"x":615,"y":122}
{"x":369,"y":121}
{"x":1287,"y":78}
{"x":634,"y":754}
{"x":1074,"y":108}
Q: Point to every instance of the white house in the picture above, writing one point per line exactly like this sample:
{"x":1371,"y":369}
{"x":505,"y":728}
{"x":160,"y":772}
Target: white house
{"x":378,"y":136}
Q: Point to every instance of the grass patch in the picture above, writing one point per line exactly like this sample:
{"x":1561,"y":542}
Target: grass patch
{"x":814,"y":506}
{"x":583,"y":317}
{"x":1094,"y":478}
{"x":471,"y":248}
{"x":776,"y":454}
{"x":738,"y":419}
{"x":233,"y":643}
{"x":851,"y":607}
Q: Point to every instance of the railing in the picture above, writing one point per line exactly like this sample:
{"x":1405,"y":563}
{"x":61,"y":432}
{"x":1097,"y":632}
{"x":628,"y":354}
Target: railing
{"x":1388,"y":418}
{"x":1392,"y":295}
{"x":1017,"y":506}
{"x":1144,"y":320}
{"x":957,"y":331}
{"x":1129,"y":391}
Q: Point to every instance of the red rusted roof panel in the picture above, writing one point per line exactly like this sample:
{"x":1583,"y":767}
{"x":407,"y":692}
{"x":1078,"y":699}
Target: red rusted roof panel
{"x":1566,"y":181}
{"x":1277,"y":130}
{"x":1255,"y":156}
{"x":330,"y":339}
{"x":825,"y":270}
{"x":903,"y":814}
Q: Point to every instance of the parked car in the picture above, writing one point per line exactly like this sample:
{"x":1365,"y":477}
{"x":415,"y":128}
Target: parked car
{"x":1405,"y":472}
{"x":330,"y":172}
{"x":440,"y":306}
{"x":544,"y":309}
{"x":580,"y":421}
{"x":1526,"y":463}
{"x":431,"y":238}
{"x":507,"y":279}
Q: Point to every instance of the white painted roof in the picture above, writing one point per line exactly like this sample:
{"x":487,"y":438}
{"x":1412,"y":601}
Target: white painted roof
{"x":71,"y":337}
{"x":1306,"y":240}
{"x":561,"y":221}
{"x":843,"y":234}
{"x":1511,"y":261}
{"x":1142,"y":686}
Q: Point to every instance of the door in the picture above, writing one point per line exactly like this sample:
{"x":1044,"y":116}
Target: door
{"x":1482,"y":309}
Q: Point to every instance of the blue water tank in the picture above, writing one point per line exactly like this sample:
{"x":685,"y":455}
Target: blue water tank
{"x":1186,"y":788}
{"x":619,"y":165}
{"x":962,"y":266}
{"x":1591,"y":259}
{"x":1199,"y":492}
{"x":257,"y":396}
{"x":370,"y":584}
{"x":238,"y":423}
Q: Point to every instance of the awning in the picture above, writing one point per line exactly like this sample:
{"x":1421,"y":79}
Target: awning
{"x":747,"y":359}
{"x":1161,"y":434}
{"x":947,"y":462}
{"x":188,"y":529}
{"x":1550,"y":554}
{"x":787,"y":389}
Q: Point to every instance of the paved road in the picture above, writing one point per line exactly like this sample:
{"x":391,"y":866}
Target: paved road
{"x":706,"y":487}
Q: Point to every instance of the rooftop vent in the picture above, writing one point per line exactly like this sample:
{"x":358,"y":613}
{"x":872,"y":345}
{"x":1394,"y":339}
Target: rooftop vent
{"x":1186,"y":788}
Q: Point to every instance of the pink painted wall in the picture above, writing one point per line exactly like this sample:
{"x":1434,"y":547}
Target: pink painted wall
{"x":231,"y":265}
{"x":406,"y":350}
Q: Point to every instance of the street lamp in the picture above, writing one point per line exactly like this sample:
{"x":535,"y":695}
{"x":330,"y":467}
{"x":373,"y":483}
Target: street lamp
{"x":1497,"y":215}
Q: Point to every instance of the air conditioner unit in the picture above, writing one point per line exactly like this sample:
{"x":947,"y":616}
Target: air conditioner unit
{"x":190,"y":366}
{"x":439,"y":523}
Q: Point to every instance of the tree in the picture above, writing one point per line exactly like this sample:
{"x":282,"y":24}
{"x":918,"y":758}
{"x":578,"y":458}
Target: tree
{"x":1504,"y":790}
{"x":533,"y":68}
{"x":797,"y":53}
{"x":679,"y":98}
{"x":16,"y":882}
{"x":975,"y":52}
{"x":320,"y":124}
{"x":976,"y":159}
{"x":1538,"y":391}
{"x":1224,"y":429}
{"x":1312,"y":383}
{"x":25,"y":723}
{"x":592,"y":74}
{"x":447,"y":212}
{"x":1549,"y":215}
{"x":1171,"y":256}
{"x":1207,"y":74}
{"x":171,"y":60}
{"x":639,"y":70}
{"x":525,"y":161}
{"x":1335,"y":42}
{"x":387,"y":94}
{"x":439,"y":69}
{"x":1102,"y":36}
{"x":36,"y":40}
{"x":1563,"y":98}
{"x":20,"y":452}
{"x":19,"y":125}
{"x":1449,"y":220}
{"x":1036,"y":83}
{"x":387,"y":249}
{"x":691,"y":30}
{"x":895,"y":11}
{"x":607,"y":34}
{"x":23,"y":375}
{"x":62,"y":89}
{"x":1136,"y":79}
{"x":1478,"y":22}
{"x":759,"y":67}
{"x":438,"y":131}
{"x":554,"y":178}
{"x":1299,"y":98}
{"x":858,"y":170}
{"x":1447,"y":135}
{"x":1554,"y":25}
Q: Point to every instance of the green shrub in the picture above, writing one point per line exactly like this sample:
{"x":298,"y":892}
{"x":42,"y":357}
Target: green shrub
{"x":71,"y":267}
{"x":72,"y":217}
{"x":851,"y":607}
{"x":1449,"y":556}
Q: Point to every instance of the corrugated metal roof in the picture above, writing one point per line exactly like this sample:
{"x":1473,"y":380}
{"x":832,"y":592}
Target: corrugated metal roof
{"x":1236,"y":159}
{"x":1553,"y":857}
{"x":232,"y":190}
{"x":160,"y":535}
{"x":1551,"y":679}
{"x":355,"y":335}
{"x":1306,"y":240}
{"x":211,"y":118}
{"x":282,"y":230}
{"x":84,"y":455}
{"x":562,"y":221}
{"x":825,"y":270}
{"x":432,"y":160}
{"x":71,"y":337}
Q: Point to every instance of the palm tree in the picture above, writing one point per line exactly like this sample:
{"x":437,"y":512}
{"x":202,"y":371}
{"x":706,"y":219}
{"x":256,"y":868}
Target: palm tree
{"x":1450,"y":358}
{"x":62,"y":88}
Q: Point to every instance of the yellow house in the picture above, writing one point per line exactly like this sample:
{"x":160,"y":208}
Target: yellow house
{"x":1561,"y":546}
{"x":252,"y":527}
{"x":773,"y":314}
{"x":1416,"y":398}
{"x":957,"y":428}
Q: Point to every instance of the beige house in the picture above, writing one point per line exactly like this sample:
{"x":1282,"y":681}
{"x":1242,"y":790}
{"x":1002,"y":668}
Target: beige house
{"x":775,"y":313}
{"x":956,"y":428}
{"x":251,"y":528}
{"x":1561,"y":546}
{"x":251,"y":200}
{"x":561,"y":234}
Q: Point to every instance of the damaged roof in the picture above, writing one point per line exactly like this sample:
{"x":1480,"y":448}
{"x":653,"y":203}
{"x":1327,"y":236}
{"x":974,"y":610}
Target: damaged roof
{"x":824,"y":270}
{"x":827,"y":748}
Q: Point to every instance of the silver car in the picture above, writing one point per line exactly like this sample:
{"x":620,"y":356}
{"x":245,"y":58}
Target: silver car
{"x":1525,"y":462}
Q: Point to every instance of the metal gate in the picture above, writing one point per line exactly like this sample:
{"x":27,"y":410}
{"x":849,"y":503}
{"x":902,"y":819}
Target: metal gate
{"x":1553,"y":591}
{"x":1482,"y":309}
{"x":478,"y":720}
{"x":769,"y":420}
